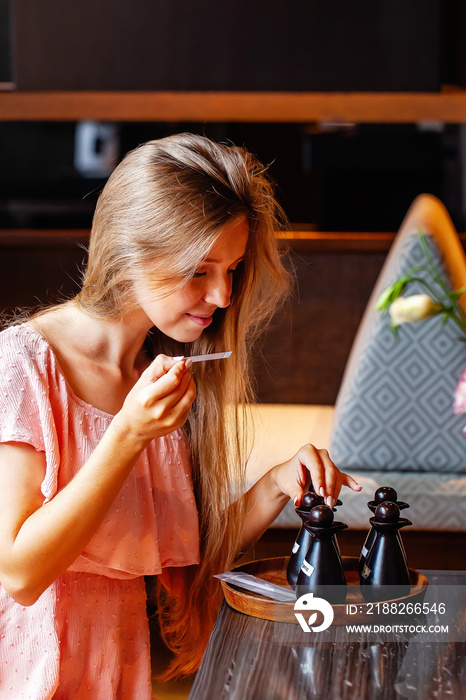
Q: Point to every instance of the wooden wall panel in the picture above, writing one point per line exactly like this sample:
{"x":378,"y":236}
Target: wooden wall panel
{"x":305,"y":350}
{"x":35,"y":275}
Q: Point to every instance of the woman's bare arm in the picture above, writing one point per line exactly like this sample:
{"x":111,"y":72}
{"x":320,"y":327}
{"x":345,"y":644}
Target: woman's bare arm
{"x":39,"y":542}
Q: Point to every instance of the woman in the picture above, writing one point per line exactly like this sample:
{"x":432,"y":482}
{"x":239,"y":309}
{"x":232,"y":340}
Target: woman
{"x":118,"y":461}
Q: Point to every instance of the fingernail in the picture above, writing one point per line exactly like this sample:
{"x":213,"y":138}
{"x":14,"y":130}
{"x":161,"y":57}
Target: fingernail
{"x":330,"y":501}
{"x":295,"y":500}
{"x":189,"y":364}
{"x":322,"y":492}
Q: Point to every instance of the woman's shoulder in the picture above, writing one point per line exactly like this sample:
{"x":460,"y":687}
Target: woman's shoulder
{"x":23,"y":339}
{"x":35,"y":336}
{"x":24,"y":352}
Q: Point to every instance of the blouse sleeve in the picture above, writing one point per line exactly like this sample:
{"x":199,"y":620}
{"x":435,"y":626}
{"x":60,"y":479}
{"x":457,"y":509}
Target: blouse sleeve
{"x":26,"y":414}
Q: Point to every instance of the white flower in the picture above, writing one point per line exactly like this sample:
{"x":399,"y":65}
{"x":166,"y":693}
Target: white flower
{"x":417,"y":307}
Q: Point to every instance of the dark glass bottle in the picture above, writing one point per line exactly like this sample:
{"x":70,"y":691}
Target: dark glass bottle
{"x":303,"y":540}
{"x":322,"y":570}
{"x":385,"y":574}
{"x":382,"y":495}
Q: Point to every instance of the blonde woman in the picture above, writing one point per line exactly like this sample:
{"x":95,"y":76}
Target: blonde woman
{"x":117,"y":461}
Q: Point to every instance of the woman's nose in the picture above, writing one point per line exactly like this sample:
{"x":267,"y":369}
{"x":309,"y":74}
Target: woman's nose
{"x":219,"y":292}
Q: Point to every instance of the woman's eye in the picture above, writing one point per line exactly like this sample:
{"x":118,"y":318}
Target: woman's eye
{"x":199,"y":274}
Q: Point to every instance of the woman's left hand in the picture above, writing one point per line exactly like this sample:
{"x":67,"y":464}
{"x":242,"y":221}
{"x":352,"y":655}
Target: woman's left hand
{"x":310,"y":465}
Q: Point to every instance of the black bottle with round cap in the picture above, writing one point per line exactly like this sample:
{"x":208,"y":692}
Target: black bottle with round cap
{"x":385,"y":574}
{"x":303,"y":540}
{"x":382,"y":495}
{"x":322,"y":570}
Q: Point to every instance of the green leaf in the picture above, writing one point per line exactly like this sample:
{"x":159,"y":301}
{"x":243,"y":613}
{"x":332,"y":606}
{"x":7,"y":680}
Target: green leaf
{"x":395,"y":331}
{"x":455,"y":294}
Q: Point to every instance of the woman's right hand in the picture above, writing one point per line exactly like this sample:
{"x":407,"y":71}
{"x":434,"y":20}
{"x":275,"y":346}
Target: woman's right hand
{"x":160,"y":400}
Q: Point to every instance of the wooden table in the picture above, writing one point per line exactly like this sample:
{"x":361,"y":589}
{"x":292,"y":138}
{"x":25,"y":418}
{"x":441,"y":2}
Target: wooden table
{"x":253,"y":659}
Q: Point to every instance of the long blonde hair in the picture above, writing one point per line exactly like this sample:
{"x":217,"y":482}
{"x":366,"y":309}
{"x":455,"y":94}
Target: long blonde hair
{"x":163,"y":209}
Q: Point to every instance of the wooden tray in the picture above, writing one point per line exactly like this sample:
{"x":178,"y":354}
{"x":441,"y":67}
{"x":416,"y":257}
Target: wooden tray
{"x":274,"y":571}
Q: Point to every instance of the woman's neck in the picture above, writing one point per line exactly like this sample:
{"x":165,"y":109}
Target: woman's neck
{"x":101,"y":358}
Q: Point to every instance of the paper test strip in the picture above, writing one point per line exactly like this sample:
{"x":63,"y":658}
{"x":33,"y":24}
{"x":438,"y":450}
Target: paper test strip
{"x":208,"y":356}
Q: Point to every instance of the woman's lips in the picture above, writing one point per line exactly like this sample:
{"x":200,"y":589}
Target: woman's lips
{"x":202,"y":321}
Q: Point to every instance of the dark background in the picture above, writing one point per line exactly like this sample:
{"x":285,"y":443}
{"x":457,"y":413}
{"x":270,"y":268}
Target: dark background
{"x":355,"y":178}
{"x":348,"y":178}
{"x":231,"y":45}
{"x":6,"y":67}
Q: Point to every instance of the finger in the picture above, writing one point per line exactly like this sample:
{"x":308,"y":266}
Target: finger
{"x":302,"y":482}
{"x":167,"y":384}
{"x":176,"y":414}
{"x":309,"y":457}
{"x":183,"y":399}
{"x":330,"y":488}
{"x":179,"y":400}
{"x":348,"y":480}
{"x":158,"y":367}
{"x":186,"y":412}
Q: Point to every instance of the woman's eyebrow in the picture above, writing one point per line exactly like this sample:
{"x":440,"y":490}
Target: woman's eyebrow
{"x":213,"y":260}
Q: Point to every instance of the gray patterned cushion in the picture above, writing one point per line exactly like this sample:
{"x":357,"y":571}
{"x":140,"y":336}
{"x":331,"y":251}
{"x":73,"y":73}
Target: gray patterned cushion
{"x":394,"y":410}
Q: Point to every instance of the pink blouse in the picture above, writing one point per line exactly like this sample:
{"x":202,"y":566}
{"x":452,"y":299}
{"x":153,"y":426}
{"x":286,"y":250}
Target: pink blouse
{"x":87,"y":636}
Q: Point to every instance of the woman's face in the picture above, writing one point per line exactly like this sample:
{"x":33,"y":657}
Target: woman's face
{"x":185,"y":312}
